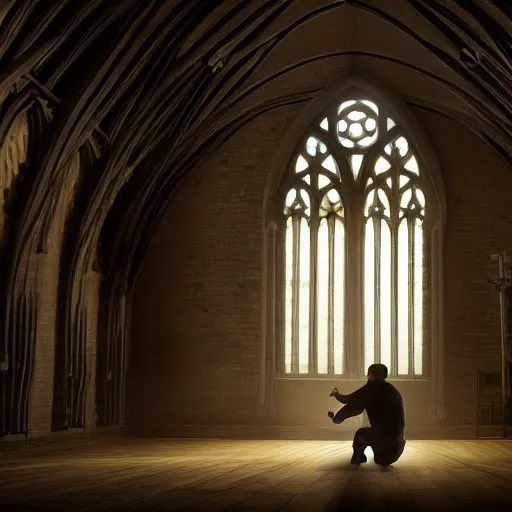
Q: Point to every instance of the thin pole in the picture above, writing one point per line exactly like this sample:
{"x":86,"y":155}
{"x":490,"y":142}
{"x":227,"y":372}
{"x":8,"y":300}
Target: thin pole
{"x":502,"y":283}
{"x":503,"y":364}
{"x":503,"y":305}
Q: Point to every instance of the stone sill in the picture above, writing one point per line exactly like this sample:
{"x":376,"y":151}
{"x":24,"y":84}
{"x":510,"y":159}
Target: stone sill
{"x":343,"y":379}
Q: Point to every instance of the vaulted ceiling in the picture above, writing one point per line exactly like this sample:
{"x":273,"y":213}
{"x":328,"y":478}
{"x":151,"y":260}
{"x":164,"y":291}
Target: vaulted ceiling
{"x":144,"y":89}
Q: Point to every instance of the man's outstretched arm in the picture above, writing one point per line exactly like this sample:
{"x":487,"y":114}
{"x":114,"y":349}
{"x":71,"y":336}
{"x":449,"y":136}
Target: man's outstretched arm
{"x":349,"y":411}
{"x":357,"y":397}
{"x":342,"y":399}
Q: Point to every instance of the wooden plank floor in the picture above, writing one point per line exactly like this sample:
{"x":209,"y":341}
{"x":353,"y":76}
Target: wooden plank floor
{"x":180,"y":474}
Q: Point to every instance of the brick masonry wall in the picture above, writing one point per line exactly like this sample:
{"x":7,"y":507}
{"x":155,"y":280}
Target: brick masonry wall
{"x":197,"y":305}
{"x":479,"y":223}
{"x":197,"y":310}
{"x":46,"y":269}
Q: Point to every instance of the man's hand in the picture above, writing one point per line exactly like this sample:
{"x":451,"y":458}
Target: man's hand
{"x":334,"y":392}
{"x":330,"y":414}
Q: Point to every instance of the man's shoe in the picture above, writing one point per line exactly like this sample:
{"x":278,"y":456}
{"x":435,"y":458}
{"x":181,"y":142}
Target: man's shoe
{"x":334,"y":392}
{"x":358,"y":459}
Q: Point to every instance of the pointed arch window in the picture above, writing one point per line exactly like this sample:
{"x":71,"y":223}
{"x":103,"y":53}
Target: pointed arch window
{"x":356,"y":207}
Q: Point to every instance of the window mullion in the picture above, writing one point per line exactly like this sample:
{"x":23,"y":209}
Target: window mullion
{"x":394,"y":300}
{"x":410,"y":227}
{"x":377,"y":257}
{"x":295,"y":294}
{"x":395,"y":212}
{"x":350,"y":339}
{"x":354,"y":295}
{"x":313,"y":293}
{"x":330,"y":339}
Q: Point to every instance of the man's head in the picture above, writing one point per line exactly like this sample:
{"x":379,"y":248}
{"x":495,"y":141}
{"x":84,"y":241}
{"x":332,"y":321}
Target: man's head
{"x":377,"y":372}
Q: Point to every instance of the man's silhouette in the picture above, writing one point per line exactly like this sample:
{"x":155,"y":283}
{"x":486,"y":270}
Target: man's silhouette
{"x":385,"y":408}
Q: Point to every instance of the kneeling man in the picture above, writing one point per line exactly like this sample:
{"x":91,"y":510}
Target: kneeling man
{"x":385,"y":408}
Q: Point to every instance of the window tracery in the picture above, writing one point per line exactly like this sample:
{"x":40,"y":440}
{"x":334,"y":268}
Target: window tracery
{"x":354,"y":205}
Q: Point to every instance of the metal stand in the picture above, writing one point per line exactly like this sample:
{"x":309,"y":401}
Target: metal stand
{"x":502,"y":283}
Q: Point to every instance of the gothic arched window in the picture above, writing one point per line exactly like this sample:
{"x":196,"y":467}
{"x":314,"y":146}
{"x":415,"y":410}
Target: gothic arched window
{"x":356,"y":206}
